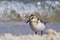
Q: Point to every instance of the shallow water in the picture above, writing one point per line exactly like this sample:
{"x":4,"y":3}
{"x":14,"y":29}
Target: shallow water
{"x":21,"y":28}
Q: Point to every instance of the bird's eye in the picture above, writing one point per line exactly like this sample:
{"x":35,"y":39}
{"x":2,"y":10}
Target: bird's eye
{"x":31,"y":17}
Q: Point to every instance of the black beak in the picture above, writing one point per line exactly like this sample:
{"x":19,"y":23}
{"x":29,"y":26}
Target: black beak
{"x":28,"y":21}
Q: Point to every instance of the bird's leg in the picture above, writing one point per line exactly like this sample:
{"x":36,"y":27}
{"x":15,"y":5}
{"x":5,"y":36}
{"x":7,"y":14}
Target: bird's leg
{"x":41,"y":32}
{"x":35,"y":32}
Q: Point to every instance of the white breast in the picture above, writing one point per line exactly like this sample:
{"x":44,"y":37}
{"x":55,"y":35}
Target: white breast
{"x":37,"y":27}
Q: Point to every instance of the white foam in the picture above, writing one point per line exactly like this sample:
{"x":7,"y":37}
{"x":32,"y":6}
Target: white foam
{"x":48,"y":36}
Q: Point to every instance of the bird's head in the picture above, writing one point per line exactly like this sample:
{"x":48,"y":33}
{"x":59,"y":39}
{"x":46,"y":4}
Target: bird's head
{"x":31,"y":18}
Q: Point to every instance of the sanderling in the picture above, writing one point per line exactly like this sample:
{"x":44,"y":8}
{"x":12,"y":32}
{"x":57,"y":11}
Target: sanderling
{"x":36,"y":24}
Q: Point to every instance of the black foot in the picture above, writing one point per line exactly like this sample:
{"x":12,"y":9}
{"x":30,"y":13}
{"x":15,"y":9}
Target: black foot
{"x":35,"y":32}
{"x":41,"y":32}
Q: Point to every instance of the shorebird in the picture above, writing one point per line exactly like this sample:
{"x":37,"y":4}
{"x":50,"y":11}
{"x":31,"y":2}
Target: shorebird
{"x":36,"y":24}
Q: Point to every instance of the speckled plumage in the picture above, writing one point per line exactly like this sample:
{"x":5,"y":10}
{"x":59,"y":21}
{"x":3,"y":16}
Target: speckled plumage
{"x":35,"y":24}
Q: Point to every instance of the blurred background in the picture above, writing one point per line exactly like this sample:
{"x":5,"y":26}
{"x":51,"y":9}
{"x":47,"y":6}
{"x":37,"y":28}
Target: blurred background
{"x":19,"y":10}
{"x":15,"y":13}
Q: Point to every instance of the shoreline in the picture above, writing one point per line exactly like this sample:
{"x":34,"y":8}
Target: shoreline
{"x":50,"y":35}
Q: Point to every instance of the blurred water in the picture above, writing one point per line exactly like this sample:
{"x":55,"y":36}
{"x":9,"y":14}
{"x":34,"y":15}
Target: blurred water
{"x":21,"y":28}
